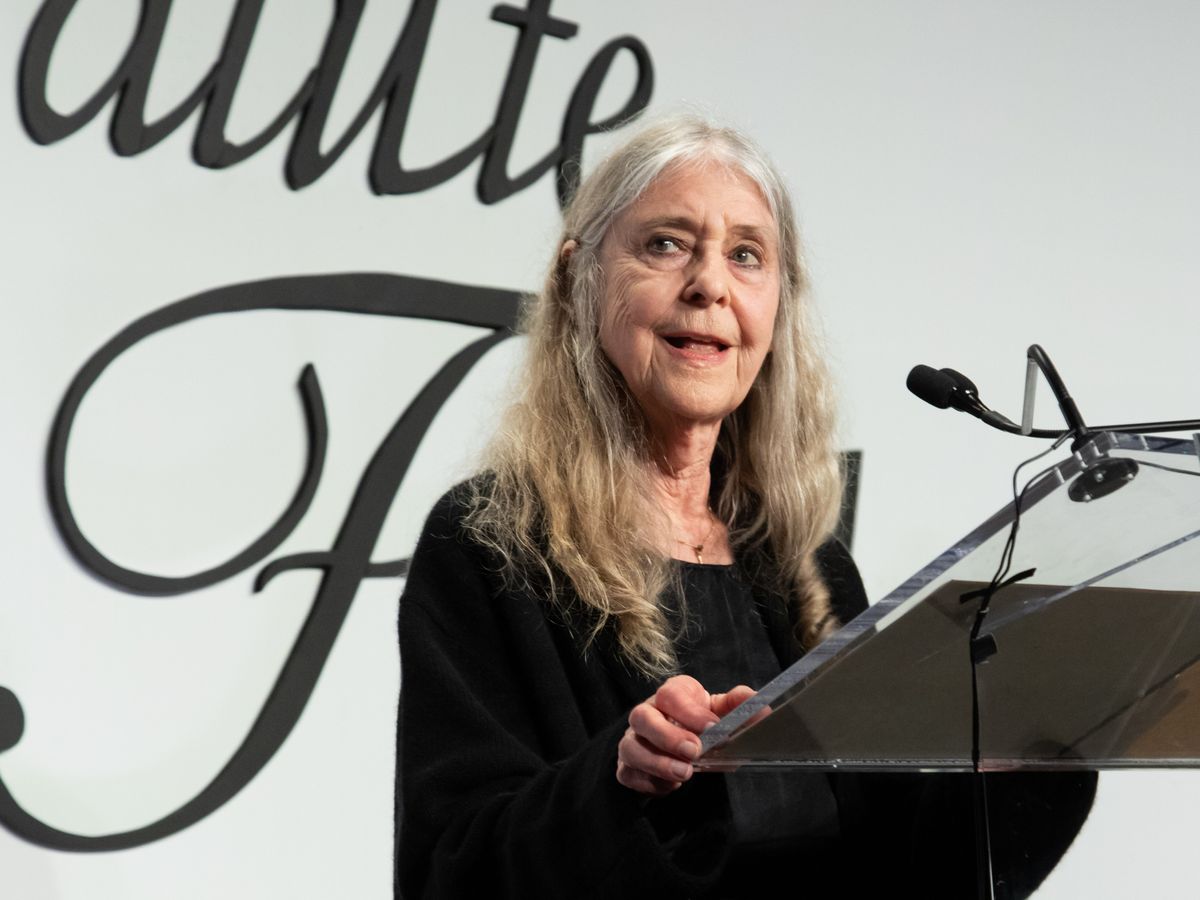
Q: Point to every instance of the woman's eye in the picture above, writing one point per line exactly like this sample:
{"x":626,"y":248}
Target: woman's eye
{"x":664,"y":245}
{"x":746,"y":256}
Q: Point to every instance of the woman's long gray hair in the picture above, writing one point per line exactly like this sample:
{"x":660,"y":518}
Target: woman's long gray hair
{"x":566,"y":505}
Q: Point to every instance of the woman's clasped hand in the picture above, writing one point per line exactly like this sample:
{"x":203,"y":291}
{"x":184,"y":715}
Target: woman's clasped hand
{"x":663,"y":738}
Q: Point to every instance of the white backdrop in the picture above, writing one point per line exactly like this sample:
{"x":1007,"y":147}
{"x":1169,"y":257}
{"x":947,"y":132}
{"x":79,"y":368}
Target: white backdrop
{"x":971,"y":177}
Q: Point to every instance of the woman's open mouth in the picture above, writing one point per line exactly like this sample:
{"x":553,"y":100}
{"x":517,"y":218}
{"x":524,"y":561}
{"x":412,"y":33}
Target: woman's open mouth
{"x":696,"y":344}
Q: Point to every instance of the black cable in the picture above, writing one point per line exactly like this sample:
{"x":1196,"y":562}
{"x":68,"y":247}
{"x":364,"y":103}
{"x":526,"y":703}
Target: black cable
{"x":983,"y":836}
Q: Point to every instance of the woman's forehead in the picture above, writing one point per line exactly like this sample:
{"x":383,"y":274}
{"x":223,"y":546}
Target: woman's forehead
{"x":688,"y":193}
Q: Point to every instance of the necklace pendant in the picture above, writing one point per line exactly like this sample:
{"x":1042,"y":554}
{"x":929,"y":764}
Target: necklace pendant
{"x":699,"y":548}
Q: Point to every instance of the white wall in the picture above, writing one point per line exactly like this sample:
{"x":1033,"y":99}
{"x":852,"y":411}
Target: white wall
{"x":972,"y":178}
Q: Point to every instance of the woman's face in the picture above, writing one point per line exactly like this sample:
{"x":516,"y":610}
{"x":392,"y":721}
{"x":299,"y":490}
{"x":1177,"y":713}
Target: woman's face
{"x":691,"y":288}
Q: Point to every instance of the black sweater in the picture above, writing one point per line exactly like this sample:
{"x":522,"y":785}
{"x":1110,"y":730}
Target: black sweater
{"x":506,"y":783}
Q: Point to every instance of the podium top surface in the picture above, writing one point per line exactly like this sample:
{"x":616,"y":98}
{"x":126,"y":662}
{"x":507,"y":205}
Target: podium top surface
{"x":1088,"y":662}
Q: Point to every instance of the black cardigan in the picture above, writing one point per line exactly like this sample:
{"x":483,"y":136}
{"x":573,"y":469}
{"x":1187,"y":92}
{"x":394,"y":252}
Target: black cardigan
{"x":506,"y":754}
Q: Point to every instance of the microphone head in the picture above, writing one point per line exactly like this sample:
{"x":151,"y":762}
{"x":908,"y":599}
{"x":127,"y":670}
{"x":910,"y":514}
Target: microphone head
{"x":934,"y":387}
{"x":962,"y":382}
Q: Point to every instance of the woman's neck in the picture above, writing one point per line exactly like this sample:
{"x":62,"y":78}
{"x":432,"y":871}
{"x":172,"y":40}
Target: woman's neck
{"x":683,"y":469}
{"x":682,"y":478}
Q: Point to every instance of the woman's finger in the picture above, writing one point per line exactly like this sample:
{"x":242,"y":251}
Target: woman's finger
{"x":649,"y":723}
{"x":638,"y":754}
{"x":683,"y":699}
{"x":723,"y":704}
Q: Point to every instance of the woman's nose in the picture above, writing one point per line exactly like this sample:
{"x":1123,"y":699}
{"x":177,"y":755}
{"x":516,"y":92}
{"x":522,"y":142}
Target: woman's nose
{"x":708,"y":279}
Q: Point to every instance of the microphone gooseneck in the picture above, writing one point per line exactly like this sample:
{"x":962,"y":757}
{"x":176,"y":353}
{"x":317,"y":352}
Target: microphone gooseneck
{"x":1066,"y":404}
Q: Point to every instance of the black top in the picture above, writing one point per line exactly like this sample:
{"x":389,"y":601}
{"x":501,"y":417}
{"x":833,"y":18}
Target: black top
{"x":722,"y":643}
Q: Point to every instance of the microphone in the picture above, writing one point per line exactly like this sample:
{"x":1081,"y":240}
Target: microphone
{"x":947,"y":388}
{"x":944,"y":388}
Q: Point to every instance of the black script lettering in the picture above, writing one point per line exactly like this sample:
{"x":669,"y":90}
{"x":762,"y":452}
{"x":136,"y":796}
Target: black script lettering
{"x":345,"y":566}
{"x":577,"y":123}
{"x":394,"y":90}
{"x":130,"y":84}
{"x":494,"y":183}
{"x":211,"y":148}
{"x":12,"y":720}
{"x":159,"y":585}
{"x":130,"y":81}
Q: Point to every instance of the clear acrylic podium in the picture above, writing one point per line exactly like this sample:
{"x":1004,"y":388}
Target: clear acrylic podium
{"x":1089,"y":663}
{"x":1095,"y":654}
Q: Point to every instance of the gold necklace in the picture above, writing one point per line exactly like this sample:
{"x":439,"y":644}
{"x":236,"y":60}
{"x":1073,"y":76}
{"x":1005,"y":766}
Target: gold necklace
{"x":698,"y":549}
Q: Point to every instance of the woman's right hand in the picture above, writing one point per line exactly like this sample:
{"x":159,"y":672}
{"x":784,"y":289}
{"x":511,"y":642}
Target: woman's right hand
{"x":655,"y":754}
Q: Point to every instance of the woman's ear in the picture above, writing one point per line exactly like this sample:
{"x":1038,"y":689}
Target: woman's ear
{"x":562,"y":272}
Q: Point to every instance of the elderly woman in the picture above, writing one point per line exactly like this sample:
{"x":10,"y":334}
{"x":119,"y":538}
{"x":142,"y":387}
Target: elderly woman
{"x":649,"y":541}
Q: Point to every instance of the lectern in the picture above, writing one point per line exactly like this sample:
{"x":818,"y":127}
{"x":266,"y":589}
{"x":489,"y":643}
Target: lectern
{"x":1087,"y":660}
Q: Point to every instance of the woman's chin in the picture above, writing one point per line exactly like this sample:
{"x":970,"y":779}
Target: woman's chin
{"x":678,"y":413}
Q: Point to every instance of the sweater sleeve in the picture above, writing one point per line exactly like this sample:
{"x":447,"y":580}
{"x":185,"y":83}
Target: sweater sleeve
{"x":485,"y":808}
